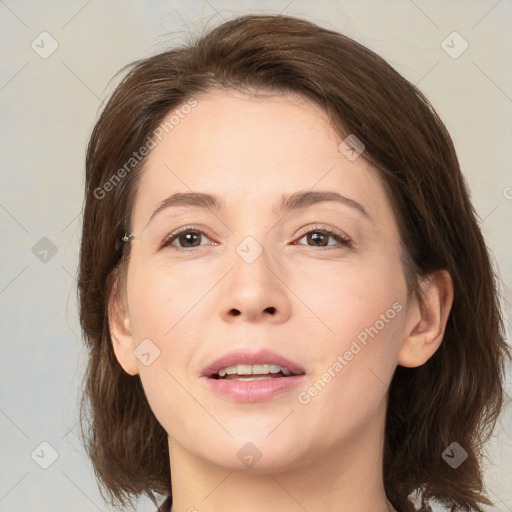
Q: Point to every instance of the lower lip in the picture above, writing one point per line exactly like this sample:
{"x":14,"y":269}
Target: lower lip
{"x":253,"y":390}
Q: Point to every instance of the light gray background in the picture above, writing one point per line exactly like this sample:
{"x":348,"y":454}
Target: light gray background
{"x":48,"y":107}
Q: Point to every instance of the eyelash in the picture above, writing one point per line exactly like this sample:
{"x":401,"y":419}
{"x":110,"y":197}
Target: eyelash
{"x":343,"y":240}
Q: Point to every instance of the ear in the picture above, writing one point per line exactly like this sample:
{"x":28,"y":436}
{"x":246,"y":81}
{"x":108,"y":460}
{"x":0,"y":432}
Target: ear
{"x":120,"y":332}
{"x":427,"y":320}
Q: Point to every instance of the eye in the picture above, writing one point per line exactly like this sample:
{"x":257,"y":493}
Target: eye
{"x":190,"y":238}
{"x":319,"y":237}
{"x":186,"y":238}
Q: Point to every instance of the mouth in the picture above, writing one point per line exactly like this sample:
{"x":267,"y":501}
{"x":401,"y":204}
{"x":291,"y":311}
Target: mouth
{"x":248,"y":372}
{"x":252,"y":377}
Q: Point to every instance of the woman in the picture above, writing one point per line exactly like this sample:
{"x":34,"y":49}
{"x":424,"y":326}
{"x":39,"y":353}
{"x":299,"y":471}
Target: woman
{"x":286,"y":297}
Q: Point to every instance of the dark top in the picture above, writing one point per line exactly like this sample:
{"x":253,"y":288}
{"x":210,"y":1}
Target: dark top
{"x":166,"y":505}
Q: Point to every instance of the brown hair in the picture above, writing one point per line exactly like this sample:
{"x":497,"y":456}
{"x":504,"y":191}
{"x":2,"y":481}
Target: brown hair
{"x":455,"y":396}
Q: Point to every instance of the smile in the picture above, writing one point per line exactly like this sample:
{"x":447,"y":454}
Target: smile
{"x":246,"y":372}
{"x":244,"y":376}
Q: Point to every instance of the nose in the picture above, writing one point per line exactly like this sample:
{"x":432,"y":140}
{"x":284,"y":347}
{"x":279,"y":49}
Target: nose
{"x":255,"y":291}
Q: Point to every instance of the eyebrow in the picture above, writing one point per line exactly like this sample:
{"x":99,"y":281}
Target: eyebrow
{"x":287,"y":203}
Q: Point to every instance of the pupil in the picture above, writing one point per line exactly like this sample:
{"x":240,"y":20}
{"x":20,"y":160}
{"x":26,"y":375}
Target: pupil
{"x":319,"y":237}
{"x":189,"y":238}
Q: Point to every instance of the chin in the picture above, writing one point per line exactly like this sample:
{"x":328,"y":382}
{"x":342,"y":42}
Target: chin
{"x":255,"y":455}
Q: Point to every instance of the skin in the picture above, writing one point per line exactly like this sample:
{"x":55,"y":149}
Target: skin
{"x":325,"y":455}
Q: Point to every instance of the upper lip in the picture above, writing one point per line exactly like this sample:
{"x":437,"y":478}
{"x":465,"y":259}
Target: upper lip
{"x":264,"y":356}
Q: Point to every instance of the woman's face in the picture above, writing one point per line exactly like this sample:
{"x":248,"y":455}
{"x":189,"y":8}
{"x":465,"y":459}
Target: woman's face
{"x":314,"y":286}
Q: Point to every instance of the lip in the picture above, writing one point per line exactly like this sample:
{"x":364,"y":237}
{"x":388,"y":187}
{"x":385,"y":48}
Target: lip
{"x":244,"y":357}
{"x":254,"y":390}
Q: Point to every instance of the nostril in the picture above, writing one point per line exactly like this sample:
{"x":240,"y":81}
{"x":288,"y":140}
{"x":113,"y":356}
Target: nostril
{"x":271,"y":310}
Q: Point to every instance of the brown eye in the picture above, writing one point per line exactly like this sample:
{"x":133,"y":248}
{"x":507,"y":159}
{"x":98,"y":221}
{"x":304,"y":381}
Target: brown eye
{"x":185,"y":239}
{"x":320,"y":238}
{"x":189,"y":237}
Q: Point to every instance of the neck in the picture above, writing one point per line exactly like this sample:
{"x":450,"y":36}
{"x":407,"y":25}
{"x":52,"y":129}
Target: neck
{"x":347,"y":478}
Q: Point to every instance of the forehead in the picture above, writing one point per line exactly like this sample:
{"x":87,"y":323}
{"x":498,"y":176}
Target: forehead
{"x":250,"y":151}
{"x":237,"y":129}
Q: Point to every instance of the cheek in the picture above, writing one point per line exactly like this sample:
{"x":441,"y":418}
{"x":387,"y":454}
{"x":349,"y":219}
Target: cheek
{"x":355,"y":364}
{"x":360,"y":312}
{"x":343,"y":301}
{"x":160,"y":323}
{"x":161,"y":297}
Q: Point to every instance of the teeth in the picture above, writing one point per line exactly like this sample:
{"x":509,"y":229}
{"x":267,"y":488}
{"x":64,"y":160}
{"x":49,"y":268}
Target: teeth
{"x":253,"y":369}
